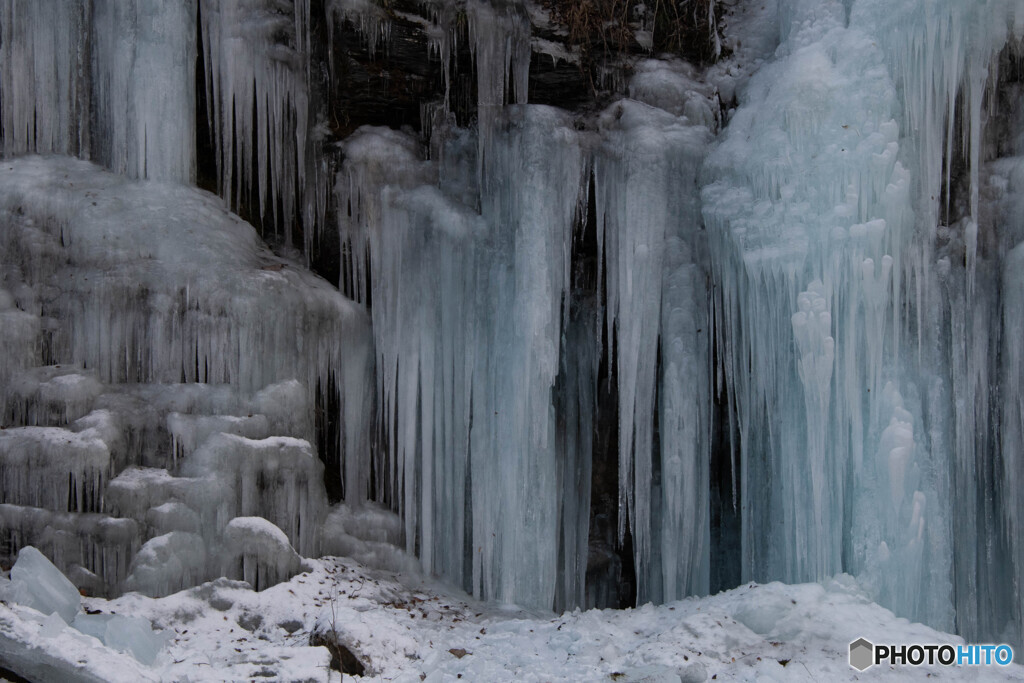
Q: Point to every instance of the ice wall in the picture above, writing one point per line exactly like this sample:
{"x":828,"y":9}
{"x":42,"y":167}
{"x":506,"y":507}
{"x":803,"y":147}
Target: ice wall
{"x":162,"y":322}
{"x":467,"y":317}
{"x":487,"y":364}
{"x":856,"y":345}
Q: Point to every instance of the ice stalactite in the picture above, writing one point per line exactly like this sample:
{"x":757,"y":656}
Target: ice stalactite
{"x":525,"y":263}
{"x":807,"y":207}
{"x":447,"y":362}
{"x":943,"y":58}
{"x":370,"y":18}
{"x":499,"y":35}
{"x":850,"y":198}
{"x":115,"y":82}
{"x":143,"y":77}
{"x":111,"y":81}
{"x":43,"y":80}
{"x":257,"y":85}
{"x":576,"y":409}
{"x":648,"y":223}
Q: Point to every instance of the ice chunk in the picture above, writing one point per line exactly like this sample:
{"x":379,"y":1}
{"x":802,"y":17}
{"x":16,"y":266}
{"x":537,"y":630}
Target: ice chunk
{"x":173,"y":516}
{"x":39,"y":584}
{"x":132,"y":635}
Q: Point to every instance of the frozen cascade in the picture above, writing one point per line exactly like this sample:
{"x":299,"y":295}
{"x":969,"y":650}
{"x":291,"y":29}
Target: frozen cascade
{"x":946,"y":60}
{"x":645,"y":174}
{"x":798,"y":193}
{"x":446,"y":361}
{"x":860,"y":274}
{"x":460,"y":420}
{"x":852,"y":132}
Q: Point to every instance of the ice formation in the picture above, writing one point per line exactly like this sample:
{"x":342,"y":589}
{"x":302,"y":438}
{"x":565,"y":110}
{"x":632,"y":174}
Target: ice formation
{"x":36,"y":583}
{"x":112,"y":81}
{"x":184,"y":361}
{"x":793,"y":291}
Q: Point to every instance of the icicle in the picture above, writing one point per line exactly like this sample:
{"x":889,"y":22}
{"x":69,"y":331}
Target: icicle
{"x":445,"y":360}
{"x":43,"y":83}
{"x":647,"y":160}
{"x":143,"y":83}
{"x":499,"y":35}
{"x":131,"y":106}
{"x":805,"y":199}
{"x":259,"y":95}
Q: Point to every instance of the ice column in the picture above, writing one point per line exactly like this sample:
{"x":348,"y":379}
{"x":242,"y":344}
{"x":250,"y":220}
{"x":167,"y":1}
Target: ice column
{"x":648,"y":220}
{"x":43,"y":82}
{"x":499,"y":34}
{"x":809,"y":214}
{"x":143,"y":77}
{"x":112,"y":81}
{"x":467,"y":317}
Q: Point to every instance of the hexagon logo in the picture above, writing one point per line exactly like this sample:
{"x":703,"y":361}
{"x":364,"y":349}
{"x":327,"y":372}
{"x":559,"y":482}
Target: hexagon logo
{"x":862,"y":654}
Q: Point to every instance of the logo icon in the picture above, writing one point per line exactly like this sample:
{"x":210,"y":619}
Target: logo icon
{"x":862,"y":654}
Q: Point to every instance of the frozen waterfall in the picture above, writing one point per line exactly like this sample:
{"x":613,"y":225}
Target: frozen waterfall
{"x":561,"y":340}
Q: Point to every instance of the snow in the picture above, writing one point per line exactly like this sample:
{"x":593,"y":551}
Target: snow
{"x":262,"y":549}
{"x":404,"y":628}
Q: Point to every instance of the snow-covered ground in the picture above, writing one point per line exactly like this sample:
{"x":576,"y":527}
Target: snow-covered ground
{"x":405,"y":628}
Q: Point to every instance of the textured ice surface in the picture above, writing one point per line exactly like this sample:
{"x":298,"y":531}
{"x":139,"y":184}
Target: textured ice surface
{"x":127,"y":66}
{"x":168,"y":563}
{"x":370,"y":534}
{"x":645,"y":172}
{"x":824,"y":203}
{"x":148,"y":293}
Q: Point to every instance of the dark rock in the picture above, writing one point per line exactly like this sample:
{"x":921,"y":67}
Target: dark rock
{"x":342,"y":657}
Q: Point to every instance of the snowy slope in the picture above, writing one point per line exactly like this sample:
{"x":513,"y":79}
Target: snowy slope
{"x":402,"y":628}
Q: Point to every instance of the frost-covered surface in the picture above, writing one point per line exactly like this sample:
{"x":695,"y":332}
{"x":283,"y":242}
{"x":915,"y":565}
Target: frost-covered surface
{"x":407,"y":629}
